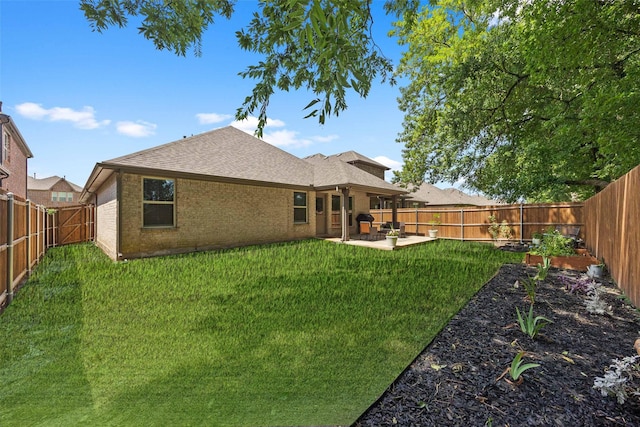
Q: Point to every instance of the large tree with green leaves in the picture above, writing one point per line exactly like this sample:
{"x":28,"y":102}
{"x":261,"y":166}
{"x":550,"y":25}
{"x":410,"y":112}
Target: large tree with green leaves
{"x":522,"y":99}
{"x":324,"y":46}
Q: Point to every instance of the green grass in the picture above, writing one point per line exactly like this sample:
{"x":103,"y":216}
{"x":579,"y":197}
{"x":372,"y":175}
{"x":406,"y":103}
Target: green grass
{"x":301,"y":333}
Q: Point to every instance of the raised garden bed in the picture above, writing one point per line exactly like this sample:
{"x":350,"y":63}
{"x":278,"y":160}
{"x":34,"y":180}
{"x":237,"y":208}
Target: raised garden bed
{"x":579,"y":262}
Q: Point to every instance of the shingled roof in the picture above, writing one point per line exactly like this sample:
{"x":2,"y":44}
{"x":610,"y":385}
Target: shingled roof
{"x":226,"y":154}
{"x":331,"y":172}
{"x":46,"y":184}
{"x":231,"y":155}
{"x":355,"y":157}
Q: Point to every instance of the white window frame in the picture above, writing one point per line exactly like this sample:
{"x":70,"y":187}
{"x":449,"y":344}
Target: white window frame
{"x":299,"y":207}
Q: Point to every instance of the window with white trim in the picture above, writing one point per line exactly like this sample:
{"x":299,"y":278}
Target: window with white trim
{"x":158,"y":202}
{"x":299,"y":207}
{"x":61,"y":196}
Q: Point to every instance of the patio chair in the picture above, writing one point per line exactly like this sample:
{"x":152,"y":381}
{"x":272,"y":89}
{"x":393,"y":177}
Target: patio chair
{"x":402,"y":233}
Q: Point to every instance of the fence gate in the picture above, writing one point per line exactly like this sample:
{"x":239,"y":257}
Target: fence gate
{"x":71,"y":224}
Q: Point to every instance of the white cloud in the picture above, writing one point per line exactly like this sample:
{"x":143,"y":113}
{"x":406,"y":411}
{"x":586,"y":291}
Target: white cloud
{"x":82,"y":119}
{"x":279,"y":137}
{"x":393,"y":164}
{"x":250,"y":124}
{"x":327,"y":138}
{"x":286,"y":138}
{"x":138,"y":129}
{"x":210,"y":118}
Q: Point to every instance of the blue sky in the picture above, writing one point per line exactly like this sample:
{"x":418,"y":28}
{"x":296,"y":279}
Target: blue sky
{"x":81,"y":97}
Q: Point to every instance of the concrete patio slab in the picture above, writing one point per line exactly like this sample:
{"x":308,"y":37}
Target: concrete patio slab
{"x":382,"y":244}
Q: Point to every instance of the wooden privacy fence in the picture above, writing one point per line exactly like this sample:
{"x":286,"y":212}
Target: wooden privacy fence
{"x":27,"y":230}
{"x":472,"y":223}
{"x":612,"y":222}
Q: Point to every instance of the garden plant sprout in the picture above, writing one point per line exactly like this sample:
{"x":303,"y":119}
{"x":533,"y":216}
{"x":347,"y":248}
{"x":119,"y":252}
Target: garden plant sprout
{"x":517,"y":368}
{"x":531,"y":325}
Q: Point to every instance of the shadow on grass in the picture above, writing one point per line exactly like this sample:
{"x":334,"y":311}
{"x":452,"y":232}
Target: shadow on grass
{"x":42,"y":372}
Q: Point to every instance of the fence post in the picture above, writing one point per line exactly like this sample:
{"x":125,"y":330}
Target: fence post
{"x":521,"y":222}
{"x":29,"y":241}
{"x":462,"y":224}
{"x":10,"y":236}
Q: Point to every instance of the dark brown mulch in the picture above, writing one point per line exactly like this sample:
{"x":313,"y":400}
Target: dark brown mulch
{"x":453,"y":382}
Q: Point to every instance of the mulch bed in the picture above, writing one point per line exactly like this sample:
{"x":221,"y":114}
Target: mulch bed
{"x":454,"y":381}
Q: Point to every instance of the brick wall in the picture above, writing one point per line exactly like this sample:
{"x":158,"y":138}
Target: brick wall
{"x":107,"y":218}
{"x":16,"y":164}
{"x":212,"y":215}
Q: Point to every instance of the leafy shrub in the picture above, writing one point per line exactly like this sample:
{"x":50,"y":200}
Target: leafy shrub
{"x":554,"y":244}
{"x":499,"y":231}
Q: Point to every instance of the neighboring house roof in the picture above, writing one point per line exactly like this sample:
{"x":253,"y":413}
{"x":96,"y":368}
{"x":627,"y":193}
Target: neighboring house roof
{"x":432,"y":195}
{"x":465,"y":198}
{"x":355,"y":157}
{"x":332,"y":171}
{"x":46,"y":184}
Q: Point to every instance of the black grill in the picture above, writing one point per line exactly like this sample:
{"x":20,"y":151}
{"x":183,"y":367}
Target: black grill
{"x":364,"y":217}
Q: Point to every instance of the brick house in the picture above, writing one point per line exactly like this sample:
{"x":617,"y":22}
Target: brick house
{"x":14,"y":153}
{"x":222,"y":188}
{"x":53,"y":192}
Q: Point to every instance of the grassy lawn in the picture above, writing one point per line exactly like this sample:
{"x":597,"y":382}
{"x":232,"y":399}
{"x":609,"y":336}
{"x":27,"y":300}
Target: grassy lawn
{"x":301,"y":333}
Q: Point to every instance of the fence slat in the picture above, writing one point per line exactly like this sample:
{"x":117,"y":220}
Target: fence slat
{"x":613,"y":231}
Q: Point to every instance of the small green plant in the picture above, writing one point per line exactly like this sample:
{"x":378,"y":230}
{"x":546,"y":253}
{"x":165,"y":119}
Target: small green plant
{"x":499,"y":231}
{"x":517,"y":368}
{"x":536,"y":235}
{"x":531,"y":325}
{"x":393,"y":232}
{"x":543,"y":269}
{"x":435,"y":220}
{"x":530,"y":285}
